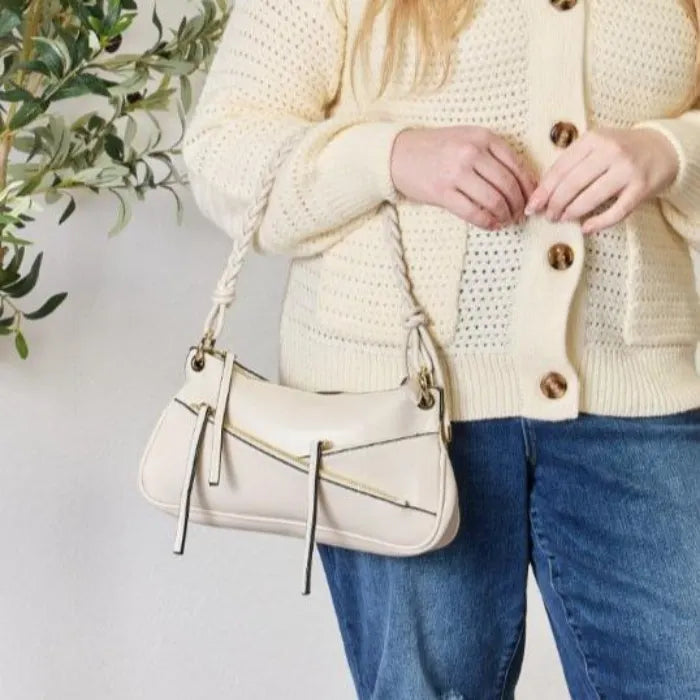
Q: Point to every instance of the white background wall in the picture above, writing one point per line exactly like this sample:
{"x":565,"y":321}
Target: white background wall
{"x":93,"y":603}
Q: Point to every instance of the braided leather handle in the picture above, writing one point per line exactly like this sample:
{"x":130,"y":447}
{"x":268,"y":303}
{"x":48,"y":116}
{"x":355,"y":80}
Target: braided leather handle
{"x":224,"y":292}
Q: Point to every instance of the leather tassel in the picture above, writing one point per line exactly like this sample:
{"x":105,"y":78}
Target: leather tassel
{"x":312,"y":481}
{"x":219,"y":413}
{"x":190,"y":471}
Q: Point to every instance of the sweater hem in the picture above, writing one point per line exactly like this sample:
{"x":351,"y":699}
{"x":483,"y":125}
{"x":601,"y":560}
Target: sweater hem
{"x":627,"y":381}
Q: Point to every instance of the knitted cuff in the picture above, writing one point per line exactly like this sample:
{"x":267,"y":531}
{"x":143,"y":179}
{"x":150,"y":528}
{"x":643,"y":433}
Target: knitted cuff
{"x":362,"y":152}
{"x":683,"y":132}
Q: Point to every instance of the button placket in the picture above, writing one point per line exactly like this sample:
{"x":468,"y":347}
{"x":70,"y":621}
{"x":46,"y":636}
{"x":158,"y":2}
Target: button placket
{"x":563,"y":4}
{"x":560,"y":256}
{"x":563,"y":133}
{"x":553,"y":252}
{"x":553,"y":385}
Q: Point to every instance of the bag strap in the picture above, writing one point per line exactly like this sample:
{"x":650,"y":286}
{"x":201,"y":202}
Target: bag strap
{"x":418,"y":338}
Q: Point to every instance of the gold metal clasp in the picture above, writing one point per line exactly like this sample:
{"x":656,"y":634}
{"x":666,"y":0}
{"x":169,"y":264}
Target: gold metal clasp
{"x":206,"y":344}
{"x":425,"y":381}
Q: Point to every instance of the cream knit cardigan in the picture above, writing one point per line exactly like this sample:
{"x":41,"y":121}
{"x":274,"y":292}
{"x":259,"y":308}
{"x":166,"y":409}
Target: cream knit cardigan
{"x":621,"y":324}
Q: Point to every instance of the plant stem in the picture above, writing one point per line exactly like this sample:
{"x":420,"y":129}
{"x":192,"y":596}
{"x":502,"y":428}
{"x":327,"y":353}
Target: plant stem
{"x":31,"y":27}
{"x":5,"y":146}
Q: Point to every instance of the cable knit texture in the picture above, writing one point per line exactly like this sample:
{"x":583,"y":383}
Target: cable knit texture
{"x":620,"y":324}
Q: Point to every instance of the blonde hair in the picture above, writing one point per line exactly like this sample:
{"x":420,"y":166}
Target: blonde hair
{"x":436,"y":25}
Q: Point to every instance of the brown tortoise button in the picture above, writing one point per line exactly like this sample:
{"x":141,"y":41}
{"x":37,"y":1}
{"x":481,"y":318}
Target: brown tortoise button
{"x":563,"y":133}
{"x":561,"y":256}
{"x":563,"y":4}
{"x":553,"y":385}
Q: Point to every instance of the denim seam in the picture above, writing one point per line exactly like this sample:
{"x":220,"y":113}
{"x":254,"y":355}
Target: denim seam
{"x":373,"y":690}
{"x":529,"y":441}
{"x":503,"y":674}
{"x":588,"y":664}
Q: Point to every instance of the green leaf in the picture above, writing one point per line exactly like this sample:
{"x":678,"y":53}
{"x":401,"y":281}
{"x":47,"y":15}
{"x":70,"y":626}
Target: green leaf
{"x":96,"y":25}
{"x":24,"y":144}
{"x":7,"y":277}
{"x":113,"y":10}
{"x":123,"y":214}
{"x":173,"y":67}
{"x":157,"y":23}
{"x":16,"y":261}
{"x":16,"y":94}
{"x":25,"y":284}
{"x":114,"y":147}
{"x":181,"y":28}
{"x":130,"y":130}
{"x":47,"y":307}
{"x":7,"y":63}
{"x":133,"y":82}
{"x":122,"y":24}
{"x":82,"y":48}
{"x":27,"y":113}
{"x":95,"y":122}
{"x":21,"y":344}
{"x":186,"y":92}
{"x":83,"y":84}
{"x":53,"y":54}
{"x":9,"y":21}
{"x":67,"y":211}
{"x":71,"y":46}
{"x":178,"y":204}
{"x":51,"y":196}
{"x":35,"y":66}
{"x":8,"y":237}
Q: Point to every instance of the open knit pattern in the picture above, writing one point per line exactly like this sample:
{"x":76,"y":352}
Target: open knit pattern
{"x":620,"y":325}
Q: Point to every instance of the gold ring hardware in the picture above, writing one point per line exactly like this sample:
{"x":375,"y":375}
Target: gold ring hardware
{"x":206,"y":344}
{"x":427,"y":399}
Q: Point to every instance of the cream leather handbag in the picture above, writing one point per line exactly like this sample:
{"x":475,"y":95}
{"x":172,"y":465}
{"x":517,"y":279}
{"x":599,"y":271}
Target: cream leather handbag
{"x":362,"y":470}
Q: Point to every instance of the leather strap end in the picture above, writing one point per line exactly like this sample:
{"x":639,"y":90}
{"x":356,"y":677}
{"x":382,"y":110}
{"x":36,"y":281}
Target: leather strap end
{"x":219,"y":414}
{"x":314,"y":462}
{"x":185,"y":494}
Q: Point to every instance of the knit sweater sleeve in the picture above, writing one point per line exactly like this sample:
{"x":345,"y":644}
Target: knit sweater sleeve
{"x":275,"y":73}
{"x":680,"y":201}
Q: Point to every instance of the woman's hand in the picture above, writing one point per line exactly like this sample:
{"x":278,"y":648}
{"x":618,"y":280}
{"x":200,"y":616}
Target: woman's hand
{"x":625,"y":166}
{"x":469,"y":170}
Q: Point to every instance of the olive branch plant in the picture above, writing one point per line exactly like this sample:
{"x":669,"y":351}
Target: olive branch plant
{"x":56,"y":50}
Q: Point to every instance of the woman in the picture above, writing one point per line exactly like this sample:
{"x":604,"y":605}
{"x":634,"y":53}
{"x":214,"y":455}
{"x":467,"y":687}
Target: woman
{"x":544,"y":158}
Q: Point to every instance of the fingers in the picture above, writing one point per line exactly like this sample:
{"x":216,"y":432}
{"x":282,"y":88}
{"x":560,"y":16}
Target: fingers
{"x":598,"y":171}
{"x":580,"y":189}
{"x":460,"y":204}
{"x":628,"y":198}
{"x":574,"y":153}
{"x":495,"y":180}
{"x":489,"y":195}
{"x":527,"y":179}
{"x":597,"y":189}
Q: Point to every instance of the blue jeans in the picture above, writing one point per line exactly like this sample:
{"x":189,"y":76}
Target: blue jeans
{"x":607,"y":511}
